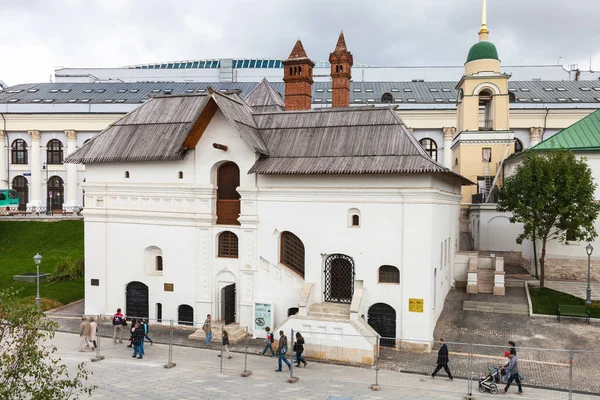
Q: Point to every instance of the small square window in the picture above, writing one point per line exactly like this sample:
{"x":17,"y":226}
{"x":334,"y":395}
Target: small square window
{"x":398,"y":100}
{"x":120,"y":101}
{"x":201,"y":90}
{"x":575,"y":99}
{"x":36,"y":100}
{"x":65,"y":90}
{"x":48,"y":100}
{"x":486,"y":154}
{"x":446,"y":90}
{"x":108,"y":100}
{"x":549,"y":89}
{"x":84,"y":100}
{"x":537,"y":100}
{"x":439,"y":100}
{"x":88,"y":91}
{"x":561,"y":99}
{"x":358,"y":100}
{"x":54,"y":91}
{"x":318,"y":100}
{"x":395,"y":90}
{"x":433,"y":90}
{"x":72,"y":101}
{"x":371,"y":100}
{"x":525,"y":90}
{"x":155,"y":90}
{"x":407,"y":90}
{"x":561,"y":89}
{"x":369,"y":90}
{"x":189,"y":90}
{"x":122,"y":91}
{"x":319,"y":90}
{"x":95,"y":282}
{"x":585,"y":89}
{"x":356,"y":90}
{"x":134,"y":90}
{"x":100,"y":90}
{"x":32,"y":90}
{"x":412,"y":100}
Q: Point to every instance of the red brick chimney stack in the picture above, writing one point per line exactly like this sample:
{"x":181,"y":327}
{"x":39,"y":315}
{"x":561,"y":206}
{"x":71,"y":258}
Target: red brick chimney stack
{"x":341,"y":61}
{"x":298,"y":78}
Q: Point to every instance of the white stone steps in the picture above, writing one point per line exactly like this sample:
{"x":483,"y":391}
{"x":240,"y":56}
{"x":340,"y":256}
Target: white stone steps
{"x":496,"y":308}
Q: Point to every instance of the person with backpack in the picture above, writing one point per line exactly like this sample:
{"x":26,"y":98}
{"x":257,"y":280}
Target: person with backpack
{"x":225,"y":343}
{"x":138,"y":341}
{"x":282,"y":351}
{"x":145,"y":325}
{"x":207,"y":329}
{"x":118,"y":321}
{"x":299,"y":349}
{"x":268,"y":342}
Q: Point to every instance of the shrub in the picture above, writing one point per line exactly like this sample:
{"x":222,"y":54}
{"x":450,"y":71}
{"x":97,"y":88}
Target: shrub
{"x":68,"y":270}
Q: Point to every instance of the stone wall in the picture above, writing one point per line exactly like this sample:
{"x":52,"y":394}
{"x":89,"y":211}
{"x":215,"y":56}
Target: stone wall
{"x":558,"y":268}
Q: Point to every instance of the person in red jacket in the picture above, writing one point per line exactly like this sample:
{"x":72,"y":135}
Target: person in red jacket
{"x":117,"y":321}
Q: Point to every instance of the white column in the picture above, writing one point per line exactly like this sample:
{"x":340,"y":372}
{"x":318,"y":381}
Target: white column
{"x":70,"y":203}
{"x":535,"y":134}
{"x":4,"y":183}
{"x":448,"y":133}
{"x":35,"y":193}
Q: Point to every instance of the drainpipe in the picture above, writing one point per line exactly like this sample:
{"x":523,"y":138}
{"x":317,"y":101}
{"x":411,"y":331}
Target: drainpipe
{"x":7,"y":152}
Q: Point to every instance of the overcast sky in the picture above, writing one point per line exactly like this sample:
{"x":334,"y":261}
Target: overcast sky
{"x":38,"y":35}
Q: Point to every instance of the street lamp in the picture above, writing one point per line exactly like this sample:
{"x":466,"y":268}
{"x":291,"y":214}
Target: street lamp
{"x":38,"y":260}
{"x":588,"y":298}
{"x":45,"y":167}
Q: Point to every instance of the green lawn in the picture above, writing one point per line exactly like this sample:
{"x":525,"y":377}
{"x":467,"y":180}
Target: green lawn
{"x":545,"y":301}
{"x":20,"y":241}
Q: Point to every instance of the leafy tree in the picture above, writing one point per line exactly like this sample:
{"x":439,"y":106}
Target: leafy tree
{"x":551,"y":194}
{"x":28,"y":369}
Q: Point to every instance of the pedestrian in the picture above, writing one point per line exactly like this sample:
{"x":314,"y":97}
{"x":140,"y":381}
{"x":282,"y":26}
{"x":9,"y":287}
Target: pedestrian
{"x":511,"y":348}
{"x":84,"y":334}
{"x":268,"y":342}
{"x":513,"y":367}
{"x":299,"y":349}
{"x":282,"y":351}
{"x":442,"y":360}
{"x":131,"y":331}
{"x":145,"y":323}
{"x":138,"y":341}
{"x":225,"y":338}
{"x":207,"y":329}
{"x":93,"y":332}
{"x":118,"y":323}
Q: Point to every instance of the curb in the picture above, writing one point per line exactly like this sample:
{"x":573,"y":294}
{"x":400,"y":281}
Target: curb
{"x":547,"y":316}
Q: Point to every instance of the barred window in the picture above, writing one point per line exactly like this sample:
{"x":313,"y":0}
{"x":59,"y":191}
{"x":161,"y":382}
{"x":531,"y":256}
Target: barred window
{"x":19,"y":152}
{"x":159,"y":263}
{"x":292,"y":252}
{"x":54,"y":152}
{"x":389,"y":274}
{"x":228,"y":245}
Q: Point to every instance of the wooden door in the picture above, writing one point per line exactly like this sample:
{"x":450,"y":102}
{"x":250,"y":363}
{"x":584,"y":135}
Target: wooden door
{"x":22,"y":188}
{"x":228,"y":199}
{"x":228,"y":299}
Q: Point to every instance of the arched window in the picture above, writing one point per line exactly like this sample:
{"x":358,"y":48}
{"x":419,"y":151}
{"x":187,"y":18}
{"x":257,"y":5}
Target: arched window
{"x":19,"y":184}
{"x":341,"y":68}
{"x":518,"y":146}
{"x":158,"y":263}
{"x":485,"y":101}
{"x":228,"y":245}
{"x":56,"y":192}
{"x":292,"y":252}
{"x":180,"y":174}
{"x":228,"y":199}
{"x":54,"y":152}
{"x":430,"y":147}
{"x":387,"y":98}
{"x":355,"y":220}
{"x":126,"y":174}
{"x":153,"y":260}
{"x":512,"y":97}
{"x":19,"y":152}
{"x":354,"y":217}
{"x":389,"y":274}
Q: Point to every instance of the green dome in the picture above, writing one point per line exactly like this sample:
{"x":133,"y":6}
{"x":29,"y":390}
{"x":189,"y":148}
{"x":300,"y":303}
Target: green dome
{"x":483,"y":50}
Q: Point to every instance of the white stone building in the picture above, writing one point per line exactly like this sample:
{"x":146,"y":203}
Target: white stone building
{"x":200,"y":204}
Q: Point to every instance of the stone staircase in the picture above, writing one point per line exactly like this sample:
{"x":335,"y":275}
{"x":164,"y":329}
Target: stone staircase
{"x":485,"y":280}
{"x":329,"y":311}
{"x":235,"y":331}
{"x":496,"y":307}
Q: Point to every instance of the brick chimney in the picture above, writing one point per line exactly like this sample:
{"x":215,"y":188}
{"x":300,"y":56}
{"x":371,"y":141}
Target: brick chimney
{"x":298,"y":78}
{"x":341,"y":61}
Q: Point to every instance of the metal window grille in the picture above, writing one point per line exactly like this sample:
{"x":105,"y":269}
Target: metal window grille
{"x":292,"y":252}
{"x":389,"y":274}
{"x":228,"y":245}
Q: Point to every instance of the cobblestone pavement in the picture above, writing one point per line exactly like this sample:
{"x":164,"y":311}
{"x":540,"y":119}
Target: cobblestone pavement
{"x":577,"y":289}
{"x":198,"y":376}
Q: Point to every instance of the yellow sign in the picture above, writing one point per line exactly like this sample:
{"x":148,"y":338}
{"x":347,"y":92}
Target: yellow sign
{"x":415,"y":305}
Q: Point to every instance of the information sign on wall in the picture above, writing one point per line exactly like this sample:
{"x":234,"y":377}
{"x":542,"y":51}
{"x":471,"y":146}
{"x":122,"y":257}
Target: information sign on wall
{"x":263,"y":317}
{"x":415,"y":305}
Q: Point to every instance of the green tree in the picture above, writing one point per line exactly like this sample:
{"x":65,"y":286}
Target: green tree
{"x":28,"y":369}
{"x":551,"y":194}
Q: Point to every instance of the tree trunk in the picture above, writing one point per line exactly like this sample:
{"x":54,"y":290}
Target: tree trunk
{"x":542,"y":262}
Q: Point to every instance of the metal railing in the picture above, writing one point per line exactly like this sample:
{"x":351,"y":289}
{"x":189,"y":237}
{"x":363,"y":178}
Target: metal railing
{"x":546,"y":374}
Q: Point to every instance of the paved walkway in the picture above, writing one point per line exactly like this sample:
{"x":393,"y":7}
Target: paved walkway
{"x":577,"y":289}
{"x":198,"y":376}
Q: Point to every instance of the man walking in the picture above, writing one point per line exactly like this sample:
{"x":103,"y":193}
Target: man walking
{"x":443,"y":360}
{"x":84,"y":334}
{"x":145,"y":325}
{"x":282,"y":349}
{"x":117,"y":321}
{"x":513,"y":367}
{"x":138,"y":341}
{"x":207,"y":329}
{"x":93,"y":331}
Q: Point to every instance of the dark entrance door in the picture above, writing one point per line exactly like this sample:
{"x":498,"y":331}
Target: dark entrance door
{"x":228,"y":199}
{"x":382,"y":318}
{"x":185,"y":315}
{"x":339,"y":278}
{"x":228,"y":298}
{"x":56,"y":193}
{"x":20,"y":185}
{"x":136,"y":300}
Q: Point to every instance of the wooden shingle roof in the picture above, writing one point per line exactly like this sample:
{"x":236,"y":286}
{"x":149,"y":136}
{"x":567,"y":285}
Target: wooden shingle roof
{"x":263,"y":98}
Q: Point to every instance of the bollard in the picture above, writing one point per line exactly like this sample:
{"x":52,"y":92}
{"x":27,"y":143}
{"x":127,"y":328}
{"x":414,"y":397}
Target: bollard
{"x":98,"y":356}
{"x":170,"y":363}
{"x":292,"y":378}
{"x":221,"y":356}
{"x":246,"y":373}
{"x":376,"y":386}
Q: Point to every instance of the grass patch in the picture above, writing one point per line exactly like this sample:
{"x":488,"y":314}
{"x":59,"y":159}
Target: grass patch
{"x":545,"y":301}
{"x":55,"y":241}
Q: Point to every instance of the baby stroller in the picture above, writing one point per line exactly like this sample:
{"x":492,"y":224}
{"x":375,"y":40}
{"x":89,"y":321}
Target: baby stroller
{"x":488,"y":382}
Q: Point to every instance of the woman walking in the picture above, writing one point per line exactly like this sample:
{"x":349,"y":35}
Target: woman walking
{"x":226,"y":343}
{"x":299,"y":349}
